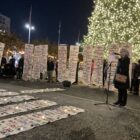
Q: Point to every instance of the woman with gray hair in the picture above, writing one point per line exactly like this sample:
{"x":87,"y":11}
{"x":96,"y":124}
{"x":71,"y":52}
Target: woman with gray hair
{"x":121,"y":80}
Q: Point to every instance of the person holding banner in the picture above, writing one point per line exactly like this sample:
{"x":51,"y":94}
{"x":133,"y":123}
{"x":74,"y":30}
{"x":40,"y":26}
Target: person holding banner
{"x":121,"y":80}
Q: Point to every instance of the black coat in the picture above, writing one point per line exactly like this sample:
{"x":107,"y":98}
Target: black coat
{"x":50,"y":66}
{"x":123,"y":68}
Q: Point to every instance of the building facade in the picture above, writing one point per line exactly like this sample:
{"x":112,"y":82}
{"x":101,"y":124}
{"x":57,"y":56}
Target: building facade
{"x":4,"y":24}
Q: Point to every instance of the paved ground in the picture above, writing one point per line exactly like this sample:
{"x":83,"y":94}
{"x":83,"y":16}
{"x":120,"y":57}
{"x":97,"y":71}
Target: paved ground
{"x":96,"y":123}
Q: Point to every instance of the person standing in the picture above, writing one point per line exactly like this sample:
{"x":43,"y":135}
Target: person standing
{"x":50,"y":69}
{"x":133,"y":77}
{"x":20,"y":67}
{"x":137,"y":80}
{"x":12,"y":66}
{"x":77,"y":71}
{"x":2,"y":66}
{"x":56,"y":68}
{"x":121,"y":80}
{"x":105,"y":68}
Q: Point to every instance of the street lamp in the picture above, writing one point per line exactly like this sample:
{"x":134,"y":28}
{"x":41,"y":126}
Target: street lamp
{"x":30,"y":28}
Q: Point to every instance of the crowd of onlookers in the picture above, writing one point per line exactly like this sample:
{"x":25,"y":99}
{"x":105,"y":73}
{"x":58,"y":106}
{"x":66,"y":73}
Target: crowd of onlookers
{"x":11,"y":67}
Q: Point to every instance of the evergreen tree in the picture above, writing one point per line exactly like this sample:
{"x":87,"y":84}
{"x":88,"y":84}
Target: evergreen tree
{"x":115,"y":21}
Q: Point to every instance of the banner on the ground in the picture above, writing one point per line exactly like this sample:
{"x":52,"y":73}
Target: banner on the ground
{"x":27,"y":122}
{"x":13,"y":99}
{"x":73,"y":59}
{"x":88,"y":56}
{"x":28,"y":62}
{"x":2,"y":45}
{"x":62,"y":62}
{"x":97,"y":74}
{"x":24,"y":107}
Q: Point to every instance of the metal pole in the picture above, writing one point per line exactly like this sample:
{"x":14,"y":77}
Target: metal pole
{"x":29,"y":35}
{"x":59,"y":33}
{"x":30,"y":22}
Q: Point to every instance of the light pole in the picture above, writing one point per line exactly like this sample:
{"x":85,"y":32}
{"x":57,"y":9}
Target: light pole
{"x":30,"y":28}
{"x":59,"y":33}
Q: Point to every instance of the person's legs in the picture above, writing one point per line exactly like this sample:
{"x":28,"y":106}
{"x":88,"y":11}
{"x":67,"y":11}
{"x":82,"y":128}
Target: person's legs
{"x":136,"y":87}
{"x":119,"y":101}
{"x":124,"y":97}
{"x":49,"y":76}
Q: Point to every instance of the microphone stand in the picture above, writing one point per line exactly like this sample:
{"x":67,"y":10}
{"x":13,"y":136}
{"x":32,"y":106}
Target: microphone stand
{"x":106,"y":90}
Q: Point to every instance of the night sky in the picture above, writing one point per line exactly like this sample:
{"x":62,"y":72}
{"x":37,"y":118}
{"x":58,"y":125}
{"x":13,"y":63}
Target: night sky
{"x":46,"y":15}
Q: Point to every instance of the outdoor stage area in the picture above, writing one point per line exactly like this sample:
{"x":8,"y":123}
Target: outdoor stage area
{"x":47,"y":111}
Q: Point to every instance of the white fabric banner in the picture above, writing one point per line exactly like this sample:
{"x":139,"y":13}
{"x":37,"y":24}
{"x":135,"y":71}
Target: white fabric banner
{"x":15,"y":125}
{"x":43,"y":60}
{"x":28,"y":62}
{"x":62,"y":62}
{"x":73,"y":59}
{"x":97,"y":76}
{"x":112,"y":65}
{"x":88,"y":55}
{"x":36,"y":62}
{"x":2,"y":45}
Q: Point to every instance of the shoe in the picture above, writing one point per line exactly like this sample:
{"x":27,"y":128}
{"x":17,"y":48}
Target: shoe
{"x":121,"y":105}
{"x":116,"y":103}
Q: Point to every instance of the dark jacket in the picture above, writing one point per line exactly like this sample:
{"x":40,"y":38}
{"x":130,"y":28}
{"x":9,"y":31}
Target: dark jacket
{"x":123,"y":68}
{"x":50,"y":66}
{"x":3,"y":61}
{"x":21,"y":63}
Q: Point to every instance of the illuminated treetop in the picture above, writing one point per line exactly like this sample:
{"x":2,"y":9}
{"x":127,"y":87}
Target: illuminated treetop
{"x":114,"y":21}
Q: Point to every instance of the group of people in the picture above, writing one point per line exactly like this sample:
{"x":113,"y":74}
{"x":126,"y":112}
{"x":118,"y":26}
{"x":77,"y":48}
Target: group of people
{"x":9,"y":67}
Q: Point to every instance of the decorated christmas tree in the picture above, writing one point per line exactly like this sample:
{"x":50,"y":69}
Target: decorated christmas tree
{"x":115,"y":21}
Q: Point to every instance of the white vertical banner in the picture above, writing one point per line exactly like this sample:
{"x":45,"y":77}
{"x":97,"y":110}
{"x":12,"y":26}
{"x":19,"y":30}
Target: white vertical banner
{"x":36,"y":62}
{"x":43,"y":60}
{"x":62,"y":62}
{"x":88,"y":55}
{"x":2,"y":45}
{"x":73,"y":59}
{"x":112,"y":66}
{"x":97,"y":76}
{"x":28,"y":62}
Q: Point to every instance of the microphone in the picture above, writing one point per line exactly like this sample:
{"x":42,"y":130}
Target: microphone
{"x":116,"y":53}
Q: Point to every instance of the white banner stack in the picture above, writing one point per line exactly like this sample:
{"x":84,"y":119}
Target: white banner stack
{"x":97,"y":75}
{"x":1,"y":50}
{"x":112,"y":63}
{"x":28,"y":62}
{"x":36,"y":62}
{"x":43,"y":62}
{"x":62,"y":62}
{"x":88,"y":55}
{"x":73,"y":59}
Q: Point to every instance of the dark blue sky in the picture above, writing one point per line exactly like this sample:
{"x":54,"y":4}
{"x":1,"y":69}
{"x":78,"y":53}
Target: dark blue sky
{"x":46,"y":15}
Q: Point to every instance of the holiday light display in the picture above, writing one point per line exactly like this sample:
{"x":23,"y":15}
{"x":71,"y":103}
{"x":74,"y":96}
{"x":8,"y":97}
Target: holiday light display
{"x":115,"y":21}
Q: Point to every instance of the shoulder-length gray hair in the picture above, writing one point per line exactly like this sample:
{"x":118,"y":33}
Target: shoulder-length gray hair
{"x":125,"y":51}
